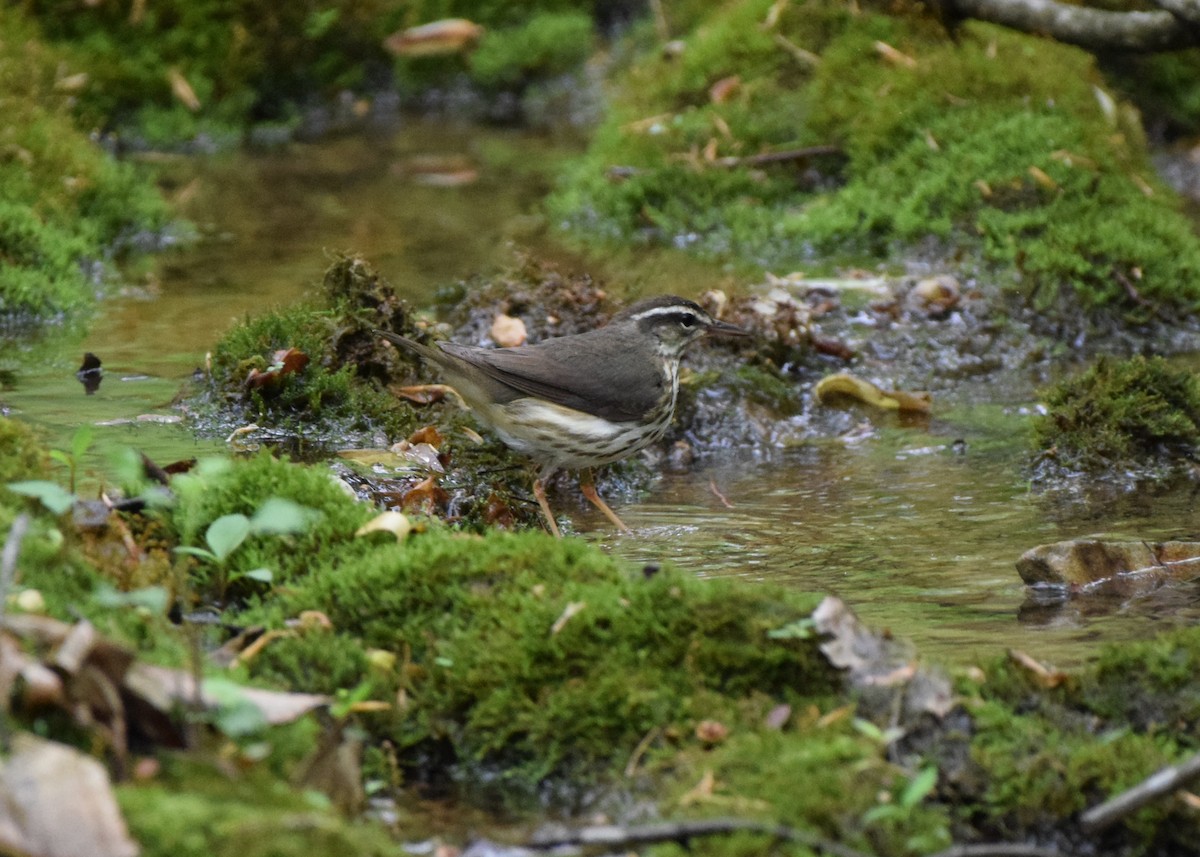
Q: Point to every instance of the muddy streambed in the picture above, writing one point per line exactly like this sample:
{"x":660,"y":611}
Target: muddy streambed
{"x":918,"y":528}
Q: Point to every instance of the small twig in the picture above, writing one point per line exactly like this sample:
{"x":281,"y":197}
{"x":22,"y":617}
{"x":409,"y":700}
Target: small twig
{"x":999,"y":849}
{"x":712,"y":486}
{"x":616,"y":837}
{"x":661,"y":27}
{"x":805,"y":57}
{"x":635,"y":758}
{"x":8,"y":559}
{"x":1160,"y":783}
{"x":778,"y":157}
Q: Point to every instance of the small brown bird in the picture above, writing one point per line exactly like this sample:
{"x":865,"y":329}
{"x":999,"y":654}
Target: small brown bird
{"x":580,"y":401}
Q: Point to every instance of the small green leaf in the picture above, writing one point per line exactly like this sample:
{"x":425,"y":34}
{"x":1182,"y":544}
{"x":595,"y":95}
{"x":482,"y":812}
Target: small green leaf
{"x":52,"y":495}
{"x":152,"y":598}
{"x":236,"y":715}
{"x":866,"y":727}
{"x":263,"y":575}
{"x":882,"y":812}
{"x":226,"y":533}
{"x":195,"y":551}
{"x":801,"y":629}
{"x":81,"y":441}
{"x":919,"y":787}
{"x":279,"y":515}
{"x":60,"y":456}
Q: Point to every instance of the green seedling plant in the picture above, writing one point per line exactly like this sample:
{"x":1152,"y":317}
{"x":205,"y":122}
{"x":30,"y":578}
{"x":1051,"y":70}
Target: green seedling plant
{"x":227,"y":533}
{"x":901,"y":813}
{"x":53,"y":496}
{"x":81,"y":441}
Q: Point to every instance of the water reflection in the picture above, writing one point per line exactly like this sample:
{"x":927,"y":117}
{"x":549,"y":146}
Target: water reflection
{"x":923,"y":544}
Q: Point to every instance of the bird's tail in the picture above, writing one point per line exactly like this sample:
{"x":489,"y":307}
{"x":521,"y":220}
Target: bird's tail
{"x":422,"y":351}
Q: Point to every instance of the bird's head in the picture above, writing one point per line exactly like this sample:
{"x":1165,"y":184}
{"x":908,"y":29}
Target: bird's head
{"x":673,"y":322}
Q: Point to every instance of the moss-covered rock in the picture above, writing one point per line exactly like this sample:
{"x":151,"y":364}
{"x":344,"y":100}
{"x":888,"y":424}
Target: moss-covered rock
{"x":199,"y":810}
{"x":1119,"y":414}
{"x":298,"y":369}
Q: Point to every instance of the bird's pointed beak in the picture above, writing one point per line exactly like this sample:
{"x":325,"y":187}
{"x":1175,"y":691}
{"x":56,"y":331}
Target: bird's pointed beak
{"x":724,"y":328}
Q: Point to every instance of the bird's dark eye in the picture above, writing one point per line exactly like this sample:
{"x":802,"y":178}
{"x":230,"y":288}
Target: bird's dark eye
{"x":687,"y":320}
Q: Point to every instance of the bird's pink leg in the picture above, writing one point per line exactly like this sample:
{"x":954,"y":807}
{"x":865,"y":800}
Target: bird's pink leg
{"x":539,"y":491}
{"x":588,"y":486}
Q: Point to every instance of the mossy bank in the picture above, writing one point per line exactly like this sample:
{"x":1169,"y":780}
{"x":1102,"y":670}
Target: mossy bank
{"x":515,"y":669}
{"x":992,"y":152}
{"x":68,"y":211}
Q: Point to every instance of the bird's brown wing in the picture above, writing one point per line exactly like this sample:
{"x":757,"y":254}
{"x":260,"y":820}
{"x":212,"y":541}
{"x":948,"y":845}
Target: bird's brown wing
{"x":586,"y":372}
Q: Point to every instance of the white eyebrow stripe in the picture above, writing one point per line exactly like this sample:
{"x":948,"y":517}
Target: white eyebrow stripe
{"x":668,"y":310}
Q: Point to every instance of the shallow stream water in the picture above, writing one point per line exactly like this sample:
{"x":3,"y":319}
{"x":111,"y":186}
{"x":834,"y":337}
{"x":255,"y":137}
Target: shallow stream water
{"x":918,"y":529}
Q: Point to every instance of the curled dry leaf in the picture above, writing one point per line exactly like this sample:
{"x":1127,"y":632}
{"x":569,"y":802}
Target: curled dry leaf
{"x":724,"y":89}
{"x":712,"y":731}
{"x":508,"y":331}
{"x":422,"y":394}
{"x":166,"y":687}
{"x":843,"y":385}
{"x":312,"y":620}
{"x":1039,"y":175}
{"x":894,"y":56}
{"x":935,"y":295}
{"x":429,"y":434}
{"x":285,"y":362}
{"x":570,"y":610}
{"x":447,"y":36}
{"x":426,"y":496}
{"x":1041,"y":674}
{"x":182,"y":90}
{"x":778,"y":716}
{"x":497,"y":512}
{"x":393,"y":522}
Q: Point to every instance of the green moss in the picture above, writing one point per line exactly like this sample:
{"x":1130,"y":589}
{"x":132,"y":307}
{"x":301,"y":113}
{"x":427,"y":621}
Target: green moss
{"x":1038,"y":771}
{"x":326,"y":389}
{"x":495,"y":691}
{"x":545,"y":45}
{"x":1149,"y":684}
{"x":198,"y":811}
{"x":995,"y":143}
{"x":242,"y":59}
{"x":21,"y":456}
{"x":221,"y":488}
{"x":65,"y":202}
{"x":823,"y":779}
{"x":1120,"y":413}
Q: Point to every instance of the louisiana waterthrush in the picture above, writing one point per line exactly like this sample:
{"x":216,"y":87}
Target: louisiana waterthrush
{"x":580,"y":401}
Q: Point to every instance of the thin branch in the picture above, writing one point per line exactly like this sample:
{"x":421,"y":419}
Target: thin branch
{"x":998,"y":849}
{"x":1161,"y":783}
{"x":778,"y":157}
{"x":8,"y":559}
{"x":1094,"y":29}
{"x":617,"y":837}
{"x":1187,"y":11}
